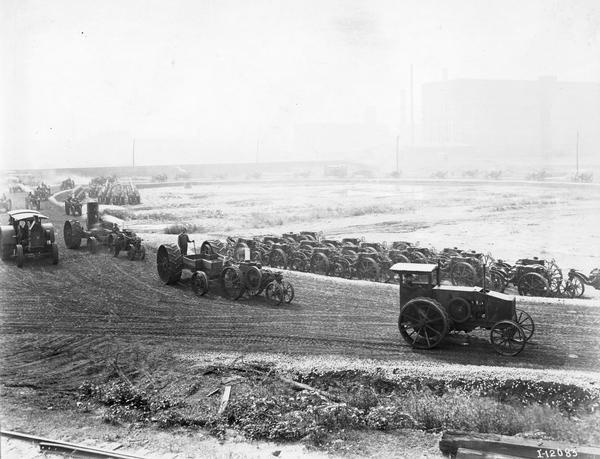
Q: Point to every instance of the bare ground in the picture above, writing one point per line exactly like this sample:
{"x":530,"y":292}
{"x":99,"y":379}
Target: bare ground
{"x":60,"y":325}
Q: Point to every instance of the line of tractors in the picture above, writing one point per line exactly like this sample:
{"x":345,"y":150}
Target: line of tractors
{"x":353,"y":258}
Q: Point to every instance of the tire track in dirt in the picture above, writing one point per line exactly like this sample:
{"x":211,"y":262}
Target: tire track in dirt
{"x":58,"y":322}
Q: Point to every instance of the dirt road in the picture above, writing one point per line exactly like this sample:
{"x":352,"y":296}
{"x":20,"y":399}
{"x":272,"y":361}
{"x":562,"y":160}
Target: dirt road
{"x":58,"y":323}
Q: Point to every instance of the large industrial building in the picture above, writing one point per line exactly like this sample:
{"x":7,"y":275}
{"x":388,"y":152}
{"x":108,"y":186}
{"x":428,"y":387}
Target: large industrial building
{"x":539,"y":119}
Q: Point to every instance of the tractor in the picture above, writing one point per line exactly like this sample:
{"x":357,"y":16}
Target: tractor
{"x":127,"y":241}
{"x":27,"y":236}
{"x":429,"y":311}
{"x":99,"y":231}
{"x":73,"y":206}
{"x":235,"y":279}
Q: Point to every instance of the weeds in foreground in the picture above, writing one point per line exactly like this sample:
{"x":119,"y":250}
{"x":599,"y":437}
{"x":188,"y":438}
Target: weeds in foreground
{"x":263,"y":409}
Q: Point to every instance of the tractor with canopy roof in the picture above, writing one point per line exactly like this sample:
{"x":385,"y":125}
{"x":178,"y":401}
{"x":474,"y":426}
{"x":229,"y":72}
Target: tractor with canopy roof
{"x":27,"y":236}
{"x":429,"y":311}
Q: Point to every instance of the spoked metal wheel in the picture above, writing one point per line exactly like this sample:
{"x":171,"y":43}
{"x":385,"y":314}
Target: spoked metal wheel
{"x":423,"y":323}
{"x":278,"y":259}
{"x":463,"y":273}
{"x":573,"y":287}
{"x":319,"y":264}
{"x":275,"y":293}
{"x":368,"y":269}
{"x":508,"y":338}
{"x":554,"y":277}
{"x":299,"y":262}
{"x":231,"y":280}
{"x":199,"y":283}
{"x":526,"y":323}
{"x":288,"y":291}
{"x":498,"y":281}
{"x":341,"y":268}
{"x":533,"y":284}
{"x":252,"y":281}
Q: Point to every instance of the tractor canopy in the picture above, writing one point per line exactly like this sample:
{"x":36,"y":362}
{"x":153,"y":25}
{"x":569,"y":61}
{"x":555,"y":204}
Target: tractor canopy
{"x":25,"y":214}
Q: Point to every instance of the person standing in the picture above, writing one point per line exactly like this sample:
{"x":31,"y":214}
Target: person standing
{"x":182,"y":241}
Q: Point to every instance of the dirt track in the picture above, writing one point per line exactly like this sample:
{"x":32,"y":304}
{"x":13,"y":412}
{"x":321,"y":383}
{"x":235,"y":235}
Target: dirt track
{"x":59,"y":322}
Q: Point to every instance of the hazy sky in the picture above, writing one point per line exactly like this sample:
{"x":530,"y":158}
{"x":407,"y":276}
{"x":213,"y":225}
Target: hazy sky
{"x":81,"y":79}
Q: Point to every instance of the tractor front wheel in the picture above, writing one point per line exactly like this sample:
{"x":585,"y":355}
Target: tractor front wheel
{"x":275,"y":293}
{"x":231,"y":280}
{"x":423,"y":323}
{"x":526,"y":323}
{"x":92,"y":244}
{"x":508,"y":338}
{"x":288,"y":291}
{"x":19,"y":254}
{"x":54,"y":253}
{"x":199,"y":283}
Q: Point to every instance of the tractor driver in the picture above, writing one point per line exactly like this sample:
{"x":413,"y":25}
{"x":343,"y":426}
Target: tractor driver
{"x":22,"y":232}
{"x":182,"y":241}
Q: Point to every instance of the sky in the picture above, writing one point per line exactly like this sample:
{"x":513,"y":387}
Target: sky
{"x":214,"y":81}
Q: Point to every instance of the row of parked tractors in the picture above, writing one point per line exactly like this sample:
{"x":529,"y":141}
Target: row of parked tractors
{"x":108,"y":190}
{"x":308,"y":251}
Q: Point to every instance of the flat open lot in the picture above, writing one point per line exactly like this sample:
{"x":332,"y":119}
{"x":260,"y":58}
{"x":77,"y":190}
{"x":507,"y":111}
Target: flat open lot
{"x":62,"y":325}
{"x":510,"y":220}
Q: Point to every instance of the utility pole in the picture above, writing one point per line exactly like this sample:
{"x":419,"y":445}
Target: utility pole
{"x":133,"y":155}
{"x":412,"y":111}
{"x":577,"y":154}
{"x":398,"y":155}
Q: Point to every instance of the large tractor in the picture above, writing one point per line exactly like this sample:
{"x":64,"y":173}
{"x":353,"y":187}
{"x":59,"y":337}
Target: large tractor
{"x":98,"y":231}
{"x":27,"y":236}
{"x":429,"y":311}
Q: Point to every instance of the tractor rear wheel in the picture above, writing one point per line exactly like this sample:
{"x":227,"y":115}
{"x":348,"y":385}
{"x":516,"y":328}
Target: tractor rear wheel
{"x":368,"y":269}
{"x":423,"y":323}
{"x":199,"y":283}
{"x":253,"y":280}
{"x":231,"y":280}
{"x":19,"y":255}
{"x":72,"y":233}
{"x":299,"y":262}
{"x":508,"y":338}
{"x":54,"y":253}
{"x":319,"y":263}
{"x":533,"y":284}
{"x":92,"y":244}
{"x":526,"y":323}
{"x":341,"y":268}
{"x":463,"y":273}
{"x":498,"y":281}
{"x":278,"y":259}
{"x":169,"y":263}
